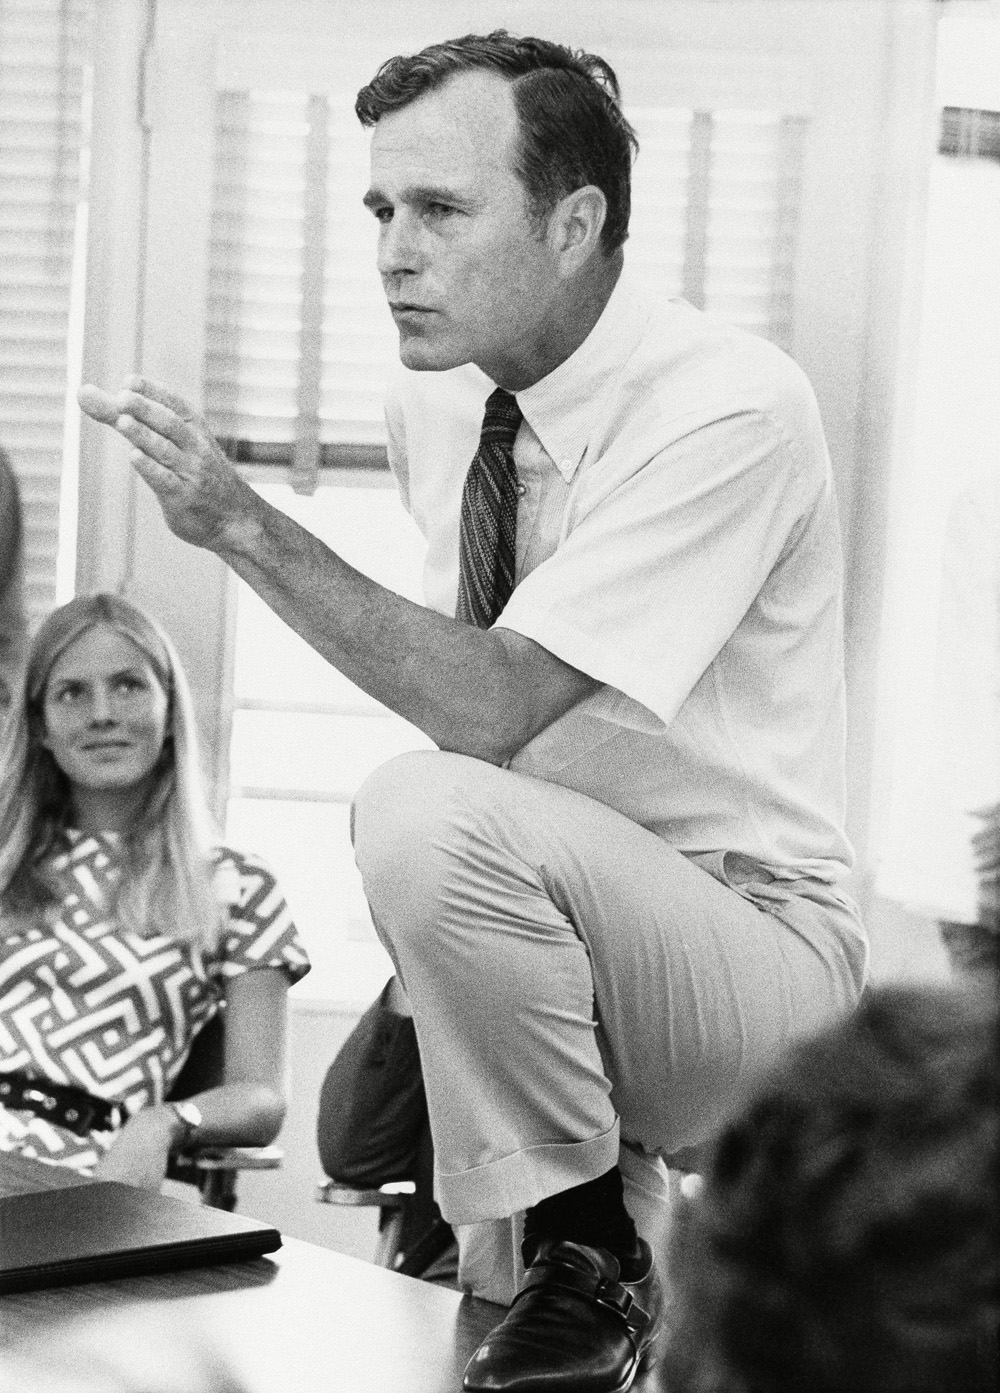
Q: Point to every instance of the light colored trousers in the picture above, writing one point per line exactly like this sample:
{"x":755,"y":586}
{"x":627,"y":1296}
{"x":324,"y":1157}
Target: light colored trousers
{"x":583,"y":994}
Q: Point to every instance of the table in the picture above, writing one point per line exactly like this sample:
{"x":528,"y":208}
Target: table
{"x":302,"y":1320}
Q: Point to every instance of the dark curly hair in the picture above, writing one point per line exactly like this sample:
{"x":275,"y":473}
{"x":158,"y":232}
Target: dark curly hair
{"x":846,"y":1239}
{"x":568,"y":103}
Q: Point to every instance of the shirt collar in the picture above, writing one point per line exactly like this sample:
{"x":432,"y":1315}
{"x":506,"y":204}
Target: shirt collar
{"x":563,"y":407}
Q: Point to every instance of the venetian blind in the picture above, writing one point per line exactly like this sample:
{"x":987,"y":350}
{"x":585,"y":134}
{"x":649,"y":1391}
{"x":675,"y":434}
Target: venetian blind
{"x":41,"y":136}
{"x":298,"y":336}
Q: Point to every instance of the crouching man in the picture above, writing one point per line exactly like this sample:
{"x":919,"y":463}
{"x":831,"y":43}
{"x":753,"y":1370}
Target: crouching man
{"x":610,"y":894}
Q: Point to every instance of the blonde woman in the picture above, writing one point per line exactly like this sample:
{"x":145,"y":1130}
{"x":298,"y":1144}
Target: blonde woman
{"x":124,"y":926}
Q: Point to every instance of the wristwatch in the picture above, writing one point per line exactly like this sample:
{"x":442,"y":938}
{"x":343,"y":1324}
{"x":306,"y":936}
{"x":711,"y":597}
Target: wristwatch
{"x":190,"y":1116}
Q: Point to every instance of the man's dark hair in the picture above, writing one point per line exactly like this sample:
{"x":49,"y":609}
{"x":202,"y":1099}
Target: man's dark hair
{"x":568,"y":103}
{"x":846,"y":1239}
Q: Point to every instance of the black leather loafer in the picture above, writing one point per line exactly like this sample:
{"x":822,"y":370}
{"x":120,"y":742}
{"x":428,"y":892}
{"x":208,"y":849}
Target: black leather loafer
{"x":574,"y":1327}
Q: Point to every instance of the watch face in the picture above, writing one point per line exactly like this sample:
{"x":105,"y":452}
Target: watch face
{"x":189,"y":1113}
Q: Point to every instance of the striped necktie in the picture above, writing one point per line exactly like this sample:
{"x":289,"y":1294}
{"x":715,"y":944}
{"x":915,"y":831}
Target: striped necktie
{"x":488,"y":526}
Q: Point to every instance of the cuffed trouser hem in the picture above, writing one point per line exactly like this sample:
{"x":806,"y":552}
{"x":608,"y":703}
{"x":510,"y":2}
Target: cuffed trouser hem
{"x":491,"y":1265}
{"x":523,"y":1178}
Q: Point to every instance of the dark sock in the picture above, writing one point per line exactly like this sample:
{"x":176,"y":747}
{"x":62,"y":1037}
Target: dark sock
{"x":593,"y":1213}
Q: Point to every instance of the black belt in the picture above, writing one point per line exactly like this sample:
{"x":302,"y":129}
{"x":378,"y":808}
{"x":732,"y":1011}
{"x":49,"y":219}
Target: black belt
{"x":62,"y":1103}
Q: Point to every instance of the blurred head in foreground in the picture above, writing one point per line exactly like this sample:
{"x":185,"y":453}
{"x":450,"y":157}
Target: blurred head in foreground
{"x":846,"y":1239}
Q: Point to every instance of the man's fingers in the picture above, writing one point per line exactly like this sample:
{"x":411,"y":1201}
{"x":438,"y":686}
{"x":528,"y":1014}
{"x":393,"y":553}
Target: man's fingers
{"x":160,"y":479}
{"x":160,"y":419}
{"x":155,"y":391}
{"x":174,"y":452}
{"x":150,"y":442}
{"x":99,"y":405}
{"x":146,"y":401}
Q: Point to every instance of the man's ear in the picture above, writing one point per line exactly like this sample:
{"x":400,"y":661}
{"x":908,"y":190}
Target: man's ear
{"x":576,"y":224}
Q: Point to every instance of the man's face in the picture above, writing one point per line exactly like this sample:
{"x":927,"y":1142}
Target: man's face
{"x":467,"y":276}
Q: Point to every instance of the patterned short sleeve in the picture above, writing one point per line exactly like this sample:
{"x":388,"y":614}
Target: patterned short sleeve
{"x":260,"y":931}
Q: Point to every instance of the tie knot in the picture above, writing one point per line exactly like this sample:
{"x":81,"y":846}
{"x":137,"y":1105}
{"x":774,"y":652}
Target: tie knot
{"x":502,"y":418}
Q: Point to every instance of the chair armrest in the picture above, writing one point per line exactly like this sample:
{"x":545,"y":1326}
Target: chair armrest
{"x":385,"y":1197}
{"x":239,"y":1158}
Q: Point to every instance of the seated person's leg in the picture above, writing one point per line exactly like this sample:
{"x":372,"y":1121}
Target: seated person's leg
{"x":373,"y":1129}
{"x":516,"y":911}
{"x":372,"y":1109}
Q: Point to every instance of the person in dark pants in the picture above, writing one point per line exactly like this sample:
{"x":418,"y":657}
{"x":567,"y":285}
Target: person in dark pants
{"x":373,"y":1129}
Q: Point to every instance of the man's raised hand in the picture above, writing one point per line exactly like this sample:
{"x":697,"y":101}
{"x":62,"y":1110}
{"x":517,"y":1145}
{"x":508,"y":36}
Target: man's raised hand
{"x":204,"y":501}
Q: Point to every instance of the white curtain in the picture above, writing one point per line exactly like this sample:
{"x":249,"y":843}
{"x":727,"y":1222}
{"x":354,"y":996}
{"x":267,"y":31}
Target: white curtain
{"x":942,"y":646}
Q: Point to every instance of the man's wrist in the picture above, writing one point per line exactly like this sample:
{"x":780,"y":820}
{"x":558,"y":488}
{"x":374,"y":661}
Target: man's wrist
{"x":243,"y":536}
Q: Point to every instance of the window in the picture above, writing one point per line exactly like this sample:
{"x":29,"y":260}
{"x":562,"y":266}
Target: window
{"x":304,"y":737}
{"x":42,"y":132}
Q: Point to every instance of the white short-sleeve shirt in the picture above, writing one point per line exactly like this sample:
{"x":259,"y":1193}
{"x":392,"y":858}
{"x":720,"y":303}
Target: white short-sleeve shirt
{"x":678,"y":541}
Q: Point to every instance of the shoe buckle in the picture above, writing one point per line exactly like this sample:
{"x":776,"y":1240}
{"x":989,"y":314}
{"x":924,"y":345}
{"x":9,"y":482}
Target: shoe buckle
{"x":616,"y":1297}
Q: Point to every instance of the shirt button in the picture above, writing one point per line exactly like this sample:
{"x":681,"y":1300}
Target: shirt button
{"x":522,"y":489}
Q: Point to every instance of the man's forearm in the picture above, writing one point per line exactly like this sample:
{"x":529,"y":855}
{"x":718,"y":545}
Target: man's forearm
{"x":484,"y":693}
{"x":460,"y":685}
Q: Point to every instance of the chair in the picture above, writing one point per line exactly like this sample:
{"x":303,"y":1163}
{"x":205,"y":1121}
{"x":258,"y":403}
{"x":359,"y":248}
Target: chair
{"x":413,"y":1238}
{"x":374,"y":1141}
{"x":214,"y":1168}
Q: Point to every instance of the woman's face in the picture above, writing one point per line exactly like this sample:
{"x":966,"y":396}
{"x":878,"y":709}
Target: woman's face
{"x":105,"y":714}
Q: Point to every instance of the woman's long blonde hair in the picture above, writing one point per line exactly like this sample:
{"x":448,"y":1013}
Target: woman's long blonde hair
{"x":166,"y":885}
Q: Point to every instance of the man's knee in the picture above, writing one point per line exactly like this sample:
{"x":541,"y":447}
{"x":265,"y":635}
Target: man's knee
{"x":403,"y":823}
{"x":390,"y":796}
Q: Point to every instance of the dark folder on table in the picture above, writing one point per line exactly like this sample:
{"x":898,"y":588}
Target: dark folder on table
{"x":100,"y":1231}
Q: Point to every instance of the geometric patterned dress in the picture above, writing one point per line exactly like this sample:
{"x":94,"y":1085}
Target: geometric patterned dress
{"x":115,"y":1013}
